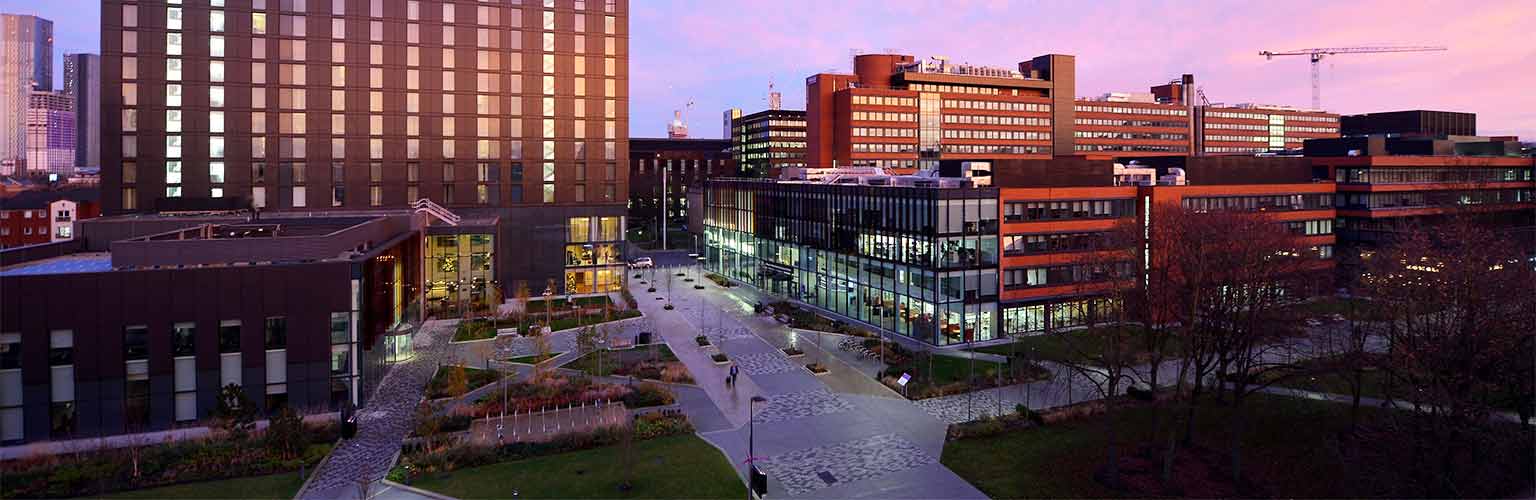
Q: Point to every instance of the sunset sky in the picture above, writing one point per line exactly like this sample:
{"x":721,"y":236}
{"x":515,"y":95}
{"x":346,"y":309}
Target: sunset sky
{"x":722,"y":54}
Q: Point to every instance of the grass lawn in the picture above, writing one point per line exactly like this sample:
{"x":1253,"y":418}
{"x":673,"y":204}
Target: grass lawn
{"x":569,"y":322}
{"x":1059,"y":461}
{"x":1071,"y":347}
{"x":474,"y":378}
{"x":948,"y":370}
{"x":283,"y":485}
{"x":670,"y":467}
{"x":561,"y":304}
{"x":474,"y":330}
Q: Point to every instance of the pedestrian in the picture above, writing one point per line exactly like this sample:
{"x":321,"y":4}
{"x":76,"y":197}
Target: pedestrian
{"x":733,"y":374}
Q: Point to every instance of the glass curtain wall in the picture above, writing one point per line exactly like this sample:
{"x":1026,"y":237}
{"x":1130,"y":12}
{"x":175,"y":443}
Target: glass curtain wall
{"x":919,"y":262}
{"x":460,"y":273}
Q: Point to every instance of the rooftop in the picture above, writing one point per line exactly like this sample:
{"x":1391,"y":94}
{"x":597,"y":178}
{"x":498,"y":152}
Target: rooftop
{"x":90,"y":262}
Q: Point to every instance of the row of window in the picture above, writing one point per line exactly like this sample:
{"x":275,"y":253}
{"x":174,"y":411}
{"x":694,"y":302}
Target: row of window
{"x":1310,"y":227}
{"x":1129,"y":147}
{"x":1068,"y":209}
{"x":1260,"y":203}
{"x":881,"y":116}
{"x":1023,"y":244}
{"x":868,"y":147}
{"x":1064,"y":275}
{"x":292,"y":21}
{"x":1095,"y":134}
{"x":1436,"y":198}
{"x":1270,"y":117}
{"x":1129,"y":123}
{"x":1430,"y":175}
{"x":1015,"y":135}
{"x":997,"y":120}
{"x":884,"y":132}
{"x":991,"y":149}
{"x":997,"y":105}
{"x":880,"y":100}
{"x":1127,"y":110}
{"x":960,"y":89}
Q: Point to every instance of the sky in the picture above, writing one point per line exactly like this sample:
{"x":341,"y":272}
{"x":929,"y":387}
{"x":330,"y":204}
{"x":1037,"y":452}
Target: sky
{"x":720,"y":54}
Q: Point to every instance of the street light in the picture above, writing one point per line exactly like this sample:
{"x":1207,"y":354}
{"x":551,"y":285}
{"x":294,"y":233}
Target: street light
{"x":751,"y":456}
{"x":548,"y":314}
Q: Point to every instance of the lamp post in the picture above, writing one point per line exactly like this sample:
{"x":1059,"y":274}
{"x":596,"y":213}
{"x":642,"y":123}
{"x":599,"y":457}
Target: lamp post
{"x":548,"y":314}
{"x":751,"y":456}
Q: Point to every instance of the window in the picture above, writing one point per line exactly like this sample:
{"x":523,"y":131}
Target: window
{"x":216,"y":21}
{"x":173,"y":18}
{"x":130,"y":16}
{"x":258,"y":23}
{"x":183,"y":339}
{"x":136,"y":343}
{"x":276,"y":333}
{"x":216,"y":172}
{"x":229,"y":336}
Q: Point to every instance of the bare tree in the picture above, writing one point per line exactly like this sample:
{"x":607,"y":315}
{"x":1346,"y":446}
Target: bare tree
{"x":520,"y":297}
{"x":1458,"y":297}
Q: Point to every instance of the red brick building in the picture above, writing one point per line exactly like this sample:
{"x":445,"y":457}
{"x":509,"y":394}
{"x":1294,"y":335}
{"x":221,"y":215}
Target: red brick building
{"x":43,"y":216}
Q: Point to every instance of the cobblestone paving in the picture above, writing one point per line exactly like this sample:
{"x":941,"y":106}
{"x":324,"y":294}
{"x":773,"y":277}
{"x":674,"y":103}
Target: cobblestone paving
{"x":795,"y":405}
{"x":959,"y":408}
{"x":764,"y":363}
{"x":806,"y":470}
{"x":719,"y":335}
{"x":384,"y":422}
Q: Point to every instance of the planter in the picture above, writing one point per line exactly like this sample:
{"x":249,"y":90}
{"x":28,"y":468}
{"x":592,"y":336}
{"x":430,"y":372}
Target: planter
{"x":701,"y":340}
{"x":668,"y":307}
{"x":651,"y":289}
{"x":792,"y":352}
{"x":816,"y":368}
{"x":687,"y":280}
{"x":698,"y":287}
{"x":720,"y":359}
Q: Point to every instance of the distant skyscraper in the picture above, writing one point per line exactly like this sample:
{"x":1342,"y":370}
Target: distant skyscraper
{"x":50,"y":133}
{"x":727,"y":117}
{"x":82,"y":82}
{"x":26,"y":64}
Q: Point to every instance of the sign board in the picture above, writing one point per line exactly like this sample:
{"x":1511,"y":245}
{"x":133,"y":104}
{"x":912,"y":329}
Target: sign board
{"x":904,"y":379}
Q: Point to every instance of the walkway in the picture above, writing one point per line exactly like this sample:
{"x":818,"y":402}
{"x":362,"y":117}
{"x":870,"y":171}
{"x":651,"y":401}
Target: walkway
{"x":384,"y":422}
{"x":838,"y":435}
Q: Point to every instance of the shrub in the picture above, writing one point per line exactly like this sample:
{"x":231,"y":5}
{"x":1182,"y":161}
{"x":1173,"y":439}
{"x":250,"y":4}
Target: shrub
{"x":1028,"y":415}
{"x":655,"y":425}
{"x":285,"y":434}
{"x":473,"y":330}
{"x":982,"y":428}
{"x":720,"y":280}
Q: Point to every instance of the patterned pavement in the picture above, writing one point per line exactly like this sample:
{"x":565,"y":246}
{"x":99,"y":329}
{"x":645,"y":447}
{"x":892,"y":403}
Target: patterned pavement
{"x":764,"y":363}
{"x":384,"y":422}
{"x":803,"y":471}
{"x":790,"y":406}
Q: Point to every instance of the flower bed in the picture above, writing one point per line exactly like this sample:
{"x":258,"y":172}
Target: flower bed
{"x":105,"y":471}
{"x":446,"y":379}
{"x":551,"y":390}
{"x":423,"y":461}
{"x":720,"y":280}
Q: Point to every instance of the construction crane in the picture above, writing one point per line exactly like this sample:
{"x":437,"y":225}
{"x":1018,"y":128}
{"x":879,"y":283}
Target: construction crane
{"x":1316,"y":55}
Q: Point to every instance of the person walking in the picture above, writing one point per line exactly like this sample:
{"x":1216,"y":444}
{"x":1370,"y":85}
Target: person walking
{"x":733,"y":375}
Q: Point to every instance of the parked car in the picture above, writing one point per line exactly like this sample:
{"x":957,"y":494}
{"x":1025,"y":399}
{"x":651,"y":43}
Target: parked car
{"x":642,"y":263}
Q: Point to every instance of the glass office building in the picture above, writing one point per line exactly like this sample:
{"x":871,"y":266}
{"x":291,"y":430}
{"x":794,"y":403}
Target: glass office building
{"x":917,"y":257}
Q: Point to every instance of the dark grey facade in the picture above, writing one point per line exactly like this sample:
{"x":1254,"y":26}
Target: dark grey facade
{"x":1417,"y":122}
{"x":144,"y":338}
{"x":82,"y":80}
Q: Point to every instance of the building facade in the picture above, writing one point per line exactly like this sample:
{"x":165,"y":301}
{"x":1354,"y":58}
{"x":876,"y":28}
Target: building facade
{"x":43,"y":216}
{"x":513,"y":113}
{"x":1412,"y":123}
{"x":138,"y":324}
{"x":895,"y":111}
{"x":766,"y":141}
{"x":674,"y":167}
{"x":916,"y":257}
{"x":1389,"y":186}
{"x":82,"y":81}
{"x":51,"y":133}
{"x":26,"y":64}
